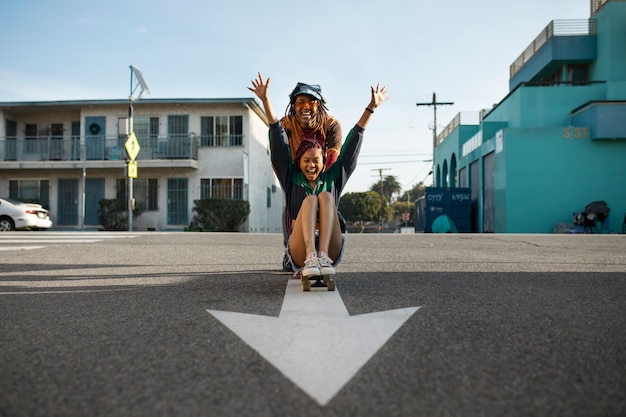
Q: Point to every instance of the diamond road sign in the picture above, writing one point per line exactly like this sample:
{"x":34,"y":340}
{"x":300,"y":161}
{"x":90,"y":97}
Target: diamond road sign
{"x":132,"y":146}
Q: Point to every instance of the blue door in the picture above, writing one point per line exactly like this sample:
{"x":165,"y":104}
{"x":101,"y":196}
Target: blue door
{"x":177,"y":201}
{"x":94,"y":192}
{"x":67,"y":208}
{"x":95,"y":134}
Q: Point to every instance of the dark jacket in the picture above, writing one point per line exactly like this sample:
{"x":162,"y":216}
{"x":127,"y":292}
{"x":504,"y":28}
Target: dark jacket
{"x":292,"y":180}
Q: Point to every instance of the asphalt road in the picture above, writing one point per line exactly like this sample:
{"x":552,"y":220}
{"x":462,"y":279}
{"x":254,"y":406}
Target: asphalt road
{"x":116,"y":324}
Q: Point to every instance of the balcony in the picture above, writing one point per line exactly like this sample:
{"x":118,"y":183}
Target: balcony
{"x":562,"y":41}
{"x":601,"y":120}
{"x":61,"y":151}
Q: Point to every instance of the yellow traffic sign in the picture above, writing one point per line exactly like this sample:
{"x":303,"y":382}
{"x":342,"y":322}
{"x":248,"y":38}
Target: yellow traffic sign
{"x":132,"y":170}
{"x":132,"y":146}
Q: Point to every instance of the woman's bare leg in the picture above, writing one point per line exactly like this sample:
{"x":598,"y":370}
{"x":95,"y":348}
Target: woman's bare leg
{"x":302,"y":239}
{"x":330,"y":229}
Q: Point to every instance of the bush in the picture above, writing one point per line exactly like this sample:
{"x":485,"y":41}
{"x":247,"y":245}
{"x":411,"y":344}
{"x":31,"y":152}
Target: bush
{"x":113,"y":214}
{"x":218,"y":215}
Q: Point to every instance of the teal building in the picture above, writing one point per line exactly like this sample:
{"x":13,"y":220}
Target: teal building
{"x":557,"y":141}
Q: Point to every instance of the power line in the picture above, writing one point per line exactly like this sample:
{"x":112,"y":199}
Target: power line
{"x":395,"y":162}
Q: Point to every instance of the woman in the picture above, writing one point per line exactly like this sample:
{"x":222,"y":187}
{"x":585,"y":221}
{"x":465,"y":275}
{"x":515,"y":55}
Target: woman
{"x":313,"y":193}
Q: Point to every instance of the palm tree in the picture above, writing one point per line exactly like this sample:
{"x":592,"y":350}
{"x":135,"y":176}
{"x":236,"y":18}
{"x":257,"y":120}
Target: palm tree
{"x":388,"y":188}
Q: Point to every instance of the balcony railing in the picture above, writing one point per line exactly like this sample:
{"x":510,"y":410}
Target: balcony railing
{"x":462,"y":118}
{"x":97,"y":148}
{"x":574,"y":27}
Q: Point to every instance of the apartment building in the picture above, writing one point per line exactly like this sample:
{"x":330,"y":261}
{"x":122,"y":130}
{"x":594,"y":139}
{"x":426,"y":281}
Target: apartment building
{"x":69,"y":155}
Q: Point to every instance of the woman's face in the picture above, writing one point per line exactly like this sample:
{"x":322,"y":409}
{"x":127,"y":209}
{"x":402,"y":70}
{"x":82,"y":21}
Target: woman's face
{"x":312,"y":163}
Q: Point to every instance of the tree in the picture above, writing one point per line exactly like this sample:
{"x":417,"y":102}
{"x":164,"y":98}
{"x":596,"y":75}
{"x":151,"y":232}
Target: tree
{"x":390,"y":186}
{"x":400,"y":207}
{"x":364,"y":207}
{"x":418,"y":190}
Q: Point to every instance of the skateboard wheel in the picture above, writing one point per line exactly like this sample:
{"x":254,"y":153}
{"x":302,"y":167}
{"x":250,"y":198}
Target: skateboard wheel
{"x":306,"y":284}
{"x":330,"y":283}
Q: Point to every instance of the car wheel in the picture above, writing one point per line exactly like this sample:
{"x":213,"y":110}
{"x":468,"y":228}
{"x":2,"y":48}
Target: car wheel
{"x":6,"y":224}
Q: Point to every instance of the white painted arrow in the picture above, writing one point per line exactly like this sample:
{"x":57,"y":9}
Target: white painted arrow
{"x":313,"y":341}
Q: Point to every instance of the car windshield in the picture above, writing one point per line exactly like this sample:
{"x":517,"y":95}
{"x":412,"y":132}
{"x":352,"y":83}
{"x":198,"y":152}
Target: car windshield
{"x":12,"y":201}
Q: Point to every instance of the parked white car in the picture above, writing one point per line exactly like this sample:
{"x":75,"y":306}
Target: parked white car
{"x":16,"y":215}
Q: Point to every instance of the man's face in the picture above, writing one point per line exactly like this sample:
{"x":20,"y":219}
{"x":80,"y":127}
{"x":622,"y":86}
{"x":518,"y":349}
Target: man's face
{"x":306,"y":109}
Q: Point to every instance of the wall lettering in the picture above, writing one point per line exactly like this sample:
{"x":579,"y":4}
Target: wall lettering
{"x":576,"y":133}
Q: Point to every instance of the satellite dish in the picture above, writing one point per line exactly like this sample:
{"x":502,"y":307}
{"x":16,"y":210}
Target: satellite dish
{"x":142,"y":83}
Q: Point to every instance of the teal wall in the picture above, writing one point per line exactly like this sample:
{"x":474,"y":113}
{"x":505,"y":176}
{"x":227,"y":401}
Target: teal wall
{"x":611,"y":61}
{"x":563,"y":175}
{"x":548,"y":164}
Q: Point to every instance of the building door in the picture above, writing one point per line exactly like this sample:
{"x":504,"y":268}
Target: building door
{"x":67,"y":206}
{"x":475,"y":181}
{"x":95,"y":134}
{"x":489,"y":192}
{"x":10,"y":132}
{"x":94,"y":192}
{"x":75,"y":141}
{"x":177,"y":201}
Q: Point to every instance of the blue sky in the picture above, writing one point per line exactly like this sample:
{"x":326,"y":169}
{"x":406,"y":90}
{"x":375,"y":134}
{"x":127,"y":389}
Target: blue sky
{"x":462,"y":50}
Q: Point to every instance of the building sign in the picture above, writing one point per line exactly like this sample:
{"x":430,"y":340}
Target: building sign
{"x":576,"y":133}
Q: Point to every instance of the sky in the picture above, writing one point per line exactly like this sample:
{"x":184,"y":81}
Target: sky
{"x":459,"y":49}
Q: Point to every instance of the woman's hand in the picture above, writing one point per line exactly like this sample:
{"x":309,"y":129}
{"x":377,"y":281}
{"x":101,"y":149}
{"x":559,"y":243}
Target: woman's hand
{"x":259,"y":87}
{"x":379,"y":95}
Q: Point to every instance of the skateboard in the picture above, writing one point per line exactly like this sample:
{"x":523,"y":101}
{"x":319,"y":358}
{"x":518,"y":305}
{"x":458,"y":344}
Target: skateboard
{"x":321,"y":281}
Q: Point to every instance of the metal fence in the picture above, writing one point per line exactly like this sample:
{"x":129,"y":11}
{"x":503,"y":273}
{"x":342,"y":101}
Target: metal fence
{"x":97,"y":148}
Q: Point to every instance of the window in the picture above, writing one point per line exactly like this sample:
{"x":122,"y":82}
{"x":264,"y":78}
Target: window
{"x":578,"y":74}
{"x":554,"y":79}
{"x":178,"y":126}
{"x":236,"y":130}
{"x":147,"y":131}
{"x":206,"y":131}
{"x":221,"y":131}
{"x":145,"y":192}
{"x":31,"y":137}
{"x":56,"y":141}
{"x":224,"y":188}
{"x":30,"y":191}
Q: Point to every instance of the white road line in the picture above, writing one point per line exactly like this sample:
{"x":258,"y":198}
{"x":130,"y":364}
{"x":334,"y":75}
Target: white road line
{"x":27,"y":240}
{"x":49,"y":240}
{"x":20,"y":248}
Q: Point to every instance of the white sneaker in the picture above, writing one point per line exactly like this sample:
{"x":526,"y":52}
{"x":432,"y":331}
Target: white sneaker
{"x":326,"y":266}
{"x":311,"y":268}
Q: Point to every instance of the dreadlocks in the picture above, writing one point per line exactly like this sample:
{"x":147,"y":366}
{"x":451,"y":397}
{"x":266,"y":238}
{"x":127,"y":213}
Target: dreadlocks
{"x":319,"y":125}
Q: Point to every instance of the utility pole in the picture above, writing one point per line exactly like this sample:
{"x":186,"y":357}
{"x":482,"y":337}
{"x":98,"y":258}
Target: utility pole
{"x":434,"y":104}
{"x":380,"y":173}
